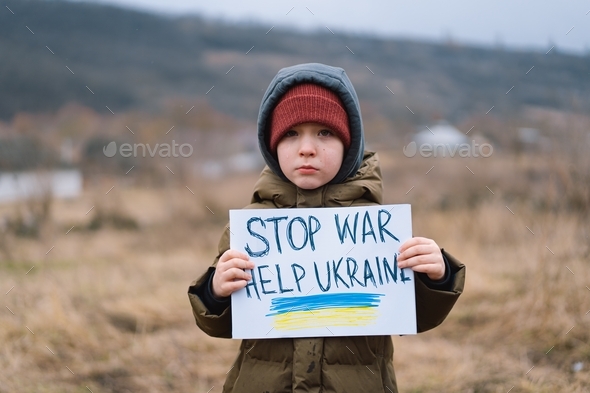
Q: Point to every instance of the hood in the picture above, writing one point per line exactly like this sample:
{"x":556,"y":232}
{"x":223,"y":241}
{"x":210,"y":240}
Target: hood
{"x":333,"y":78}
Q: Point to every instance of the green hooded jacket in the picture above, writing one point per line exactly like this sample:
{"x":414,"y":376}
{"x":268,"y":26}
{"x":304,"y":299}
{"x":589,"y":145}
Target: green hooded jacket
{"x":322,"y":364}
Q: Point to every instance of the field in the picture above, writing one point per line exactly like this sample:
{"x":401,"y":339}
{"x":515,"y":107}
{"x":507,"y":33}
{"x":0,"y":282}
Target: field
{"x":102,"y":306}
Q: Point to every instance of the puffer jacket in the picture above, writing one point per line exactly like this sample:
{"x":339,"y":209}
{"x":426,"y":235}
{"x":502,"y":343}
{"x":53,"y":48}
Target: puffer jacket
{"x":321,"y":364}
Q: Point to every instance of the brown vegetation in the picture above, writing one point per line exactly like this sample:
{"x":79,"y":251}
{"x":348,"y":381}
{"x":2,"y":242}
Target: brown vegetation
{"x":94,"y":295}
{"x":110,"y":304}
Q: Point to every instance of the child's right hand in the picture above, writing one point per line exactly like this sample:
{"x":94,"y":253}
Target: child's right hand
{"x":229,"y":274}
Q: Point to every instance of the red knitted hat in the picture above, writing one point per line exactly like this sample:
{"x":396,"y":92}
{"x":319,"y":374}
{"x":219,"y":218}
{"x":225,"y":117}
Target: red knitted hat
{"x":306,"y":103}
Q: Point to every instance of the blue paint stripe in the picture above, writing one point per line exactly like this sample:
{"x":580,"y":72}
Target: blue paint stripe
{"x":281,"y":305}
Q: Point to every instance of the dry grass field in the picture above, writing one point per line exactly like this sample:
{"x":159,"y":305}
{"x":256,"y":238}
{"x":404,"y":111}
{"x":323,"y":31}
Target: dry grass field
{"x":102,"y":306}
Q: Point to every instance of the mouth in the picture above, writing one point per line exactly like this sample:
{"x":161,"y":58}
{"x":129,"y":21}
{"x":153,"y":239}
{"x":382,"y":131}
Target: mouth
{"x":307,"y":169}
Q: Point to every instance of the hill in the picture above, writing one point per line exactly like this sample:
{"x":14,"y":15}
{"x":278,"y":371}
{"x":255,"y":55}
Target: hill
{"x":55,"y":52}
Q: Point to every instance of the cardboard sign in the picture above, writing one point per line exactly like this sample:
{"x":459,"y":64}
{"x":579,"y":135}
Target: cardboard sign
{"x":323,"y":272}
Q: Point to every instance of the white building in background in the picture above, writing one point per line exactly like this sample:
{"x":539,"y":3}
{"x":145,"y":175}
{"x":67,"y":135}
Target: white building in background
{"x":440,"y":134}
{"x":443,"y":140}
{"x":29,"y":169}
{"x":64,"y":183}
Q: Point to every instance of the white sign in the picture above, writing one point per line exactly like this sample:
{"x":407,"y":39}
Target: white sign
{"x":323,"y":272}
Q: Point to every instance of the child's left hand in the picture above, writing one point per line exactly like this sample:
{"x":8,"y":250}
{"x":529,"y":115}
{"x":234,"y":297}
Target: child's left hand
{"x":422,"y":255}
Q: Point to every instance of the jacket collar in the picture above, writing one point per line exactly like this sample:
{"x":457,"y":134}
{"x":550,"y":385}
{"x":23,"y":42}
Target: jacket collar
{"x":365,"y":187}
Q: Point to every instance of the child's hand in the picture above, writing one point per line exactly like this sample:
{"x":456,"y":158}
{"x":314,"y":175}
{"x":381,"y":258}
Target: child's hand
{"x":422,"y":255}
{"x":229,"y":276}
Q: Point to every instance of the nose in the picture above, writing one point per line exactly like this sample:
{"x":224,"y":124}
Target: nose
{"x":307,"y":147}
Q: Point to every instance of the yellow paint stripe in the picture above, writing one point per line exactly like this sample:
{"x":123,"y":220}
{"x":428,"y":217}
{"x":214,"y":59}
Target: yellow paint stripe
{"x":351,"y":316}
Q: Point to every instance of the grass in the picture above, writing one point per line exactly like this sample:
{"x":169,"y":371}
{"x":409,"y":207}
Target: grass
{"x":106,"y":310}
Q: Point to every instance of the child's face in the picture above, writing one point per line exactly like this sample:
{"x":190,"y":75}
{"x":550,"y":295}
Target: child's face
{"x":310,"y":155}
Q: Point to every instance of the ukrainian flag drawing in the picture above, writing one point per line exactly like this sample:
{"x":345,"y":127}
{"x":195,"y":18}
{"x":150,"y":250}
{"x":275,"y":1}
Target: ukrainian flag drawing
{"x":334,"y":309}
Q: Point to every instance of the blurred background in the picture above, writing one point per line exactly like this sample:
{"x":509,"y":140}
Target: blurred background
{"x":128,"y":130}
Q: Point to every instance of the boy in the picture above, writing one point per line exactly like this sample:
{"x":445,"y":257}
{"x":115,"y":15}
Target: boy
{"x":311,"y":136}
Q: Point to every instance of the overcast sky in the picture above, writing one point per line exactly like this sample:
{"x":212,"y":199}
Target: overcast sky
{"x":512,"y":23}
